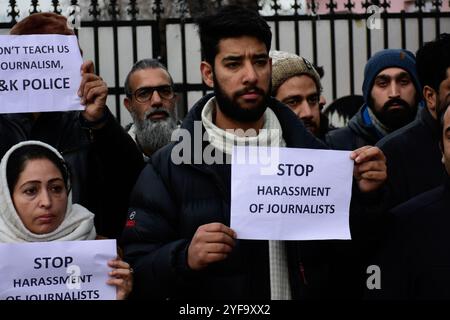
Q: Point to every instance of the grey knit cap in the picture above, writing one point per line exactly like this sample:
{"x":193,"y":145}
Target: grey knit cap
{"x":286,"y":65}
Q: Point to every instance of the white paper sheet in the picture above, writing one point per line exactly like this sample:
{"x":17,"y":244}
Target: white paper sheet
{"x":39,"y":73}
{"x":60,"y":270}
{"x":304,"y":196}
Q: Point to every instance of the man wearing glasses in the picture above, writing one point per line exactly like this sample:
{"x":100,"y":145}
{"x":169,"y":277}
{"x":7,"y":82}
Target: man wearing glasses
{"x":150,"y":99}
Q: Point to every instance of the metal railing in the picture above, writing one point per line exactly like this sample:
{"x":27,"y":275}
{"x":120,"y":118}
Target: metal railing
{"x":338,"y":35}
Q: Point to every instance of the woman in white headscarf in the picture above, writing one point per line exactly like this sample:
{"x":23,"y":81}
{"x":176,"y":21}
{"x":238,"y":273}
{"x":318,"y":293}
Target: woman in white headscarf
{"x":36,"y":206}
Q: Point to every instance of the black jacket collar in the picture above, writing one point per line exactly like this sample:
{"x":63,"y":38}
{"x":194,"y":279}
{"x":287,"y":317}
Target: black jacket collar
{"x":427,"y":119}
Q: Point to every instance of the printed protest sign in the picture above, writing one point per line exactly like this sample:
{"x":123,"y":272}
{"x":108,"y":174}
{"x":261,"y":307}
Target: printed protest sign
{"x":57,"y":270}
{"x":39,"y":73}
{"x":290,"y":194}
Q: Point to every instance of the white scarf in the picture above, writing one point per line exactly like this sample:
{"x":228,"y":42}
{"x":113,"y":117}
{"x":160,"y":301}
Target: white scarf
{"x":272,"y":136}
{"x":78,"y":223}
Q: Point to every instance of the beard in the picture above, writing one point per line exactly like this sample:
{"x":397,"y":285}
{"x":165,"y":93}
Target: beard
{"x":312,"y":126}
{"x":153,"y":135}
{"x":398,"y":117}
{"x":231,"y":108}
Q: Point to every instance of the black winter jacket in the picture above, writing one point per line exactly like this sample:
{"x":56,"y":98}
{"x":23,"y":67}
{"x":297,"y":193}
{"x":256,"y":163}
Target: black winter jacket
{"x":355,"y":135}
{"x":104,"y":163}
{"x":414,"y":166}
{"x":415,"y":261}
{"x":413,"y":159}
{"x":352,"y":256}
{"x":171,"y":201}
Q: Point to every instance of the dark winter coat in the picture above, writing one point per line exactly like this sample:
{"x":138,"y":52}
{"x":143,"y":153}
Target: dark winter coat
{"x":171,"y":201}
{"x":356,"y":134}
{"x":415,"y":261}
{"x":413,"y":159}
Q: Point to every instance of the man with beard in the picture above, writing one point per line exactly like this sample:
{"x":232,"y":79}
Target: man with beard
{"x":296,"y":83}
{"x":178,"y":238}
{"x":391,"y":91}
{"x":413,"y":152}
{"x":150,"y":99}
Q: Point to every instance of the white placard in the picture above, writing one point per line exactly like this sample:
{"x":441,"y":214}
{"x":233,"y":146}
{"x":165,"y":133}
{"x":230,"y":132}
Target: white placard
{"x":290,"y":194}
{"x":39,"y":73}
{"x":59,"y":270}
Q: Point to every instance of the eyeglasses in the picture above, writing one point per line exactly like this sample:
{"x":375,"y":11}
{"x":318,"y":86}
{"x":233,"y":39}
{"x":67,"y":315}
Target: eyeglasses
{"x":146,"y":93}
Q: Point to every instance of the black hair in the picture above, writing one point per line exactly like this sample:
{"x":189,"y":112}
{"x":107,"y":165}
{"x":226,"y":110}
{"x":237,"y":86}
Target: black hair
{"x":142,"y":65}
{"x":433,"y":60}
{"x":231,"y":22}
{"x":19,"y":157}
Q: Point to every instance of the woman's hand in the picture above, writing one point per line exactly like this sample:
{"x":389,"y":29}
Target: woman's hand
{"x":121,"y":277}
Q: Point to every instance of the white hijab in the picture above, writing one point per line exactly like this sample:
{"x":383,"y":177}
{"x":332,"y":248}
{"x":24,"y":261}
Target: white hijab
{"x":78,"y":223}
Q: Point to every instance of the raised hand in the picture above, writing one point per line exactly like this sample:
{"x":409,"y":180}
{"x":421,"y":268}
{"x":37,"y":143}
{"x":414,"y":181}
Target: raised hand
{"x":370,"y":168}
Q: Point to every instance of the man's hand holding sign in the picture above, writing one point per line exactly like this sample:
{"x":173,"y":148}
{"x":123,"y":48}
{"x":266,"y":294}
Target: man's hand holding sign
{"x":214,"y":241}
{"x":93,"y":92}
{"x":370,"y":168}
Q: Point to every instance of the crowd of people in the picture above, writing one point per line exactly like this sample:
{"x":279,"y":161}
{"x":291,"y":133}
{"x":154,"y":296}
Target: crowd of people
{"x":79,"y":175}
